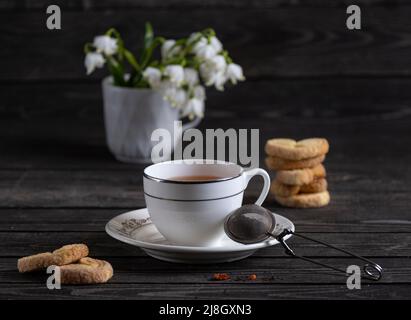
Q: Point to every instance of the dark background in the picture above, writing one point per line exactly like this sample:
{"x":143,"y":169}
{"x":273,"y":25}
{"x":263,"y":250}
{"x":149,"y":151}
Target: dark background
{"x":303,"y":67}
{"x":307,"y":75}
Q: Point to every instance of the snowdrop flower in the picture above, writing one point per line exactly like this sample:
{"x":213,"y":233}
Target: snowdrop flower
{"x":93,"y":60}
{"x":213,"y":74}
{"x":234,"y":72}
{"x":194,"y":37}
{"x":203,"y":50}
{"x":199,"y":92}
{"x":206,"y":52}
{"x":206,"y":73}
{"x":152,"y":76}
{"x":179,"y":98}
{"x":106,"y":45}
{"x":169,"y":49}
{"x":191,"y":76}
{"x":201,"y":43}
{"x":219,"y":79}
{"x":167,"y":89}
{"x":218,"y":63}
{"x":214,"y":65}
{"x":216,"y":44}
{"x":175,"y":73}
{"x":193,"y":108}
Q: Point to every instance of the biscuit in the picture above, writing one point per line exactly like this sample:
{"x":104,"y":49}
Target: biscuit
{"x":65,"y":255}
{"x":317,"y":185}
{"x":276,"y":163}
{"x":296,"y":150}
{"x":285,"y":190}
{"x":35,"y":262}
{"x":86,"y":271}
{"x":299,"y":177}
{"x":305,"y":200}
{"x":70,"y":253}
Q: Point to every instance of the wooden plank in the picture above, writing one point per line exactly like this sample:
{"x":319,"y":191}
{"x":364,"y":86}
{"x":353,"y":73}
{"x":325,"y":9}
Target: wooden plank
{"x":81,"y":144}
{"x":17,"y":244}
{"x":174,"y":4}
{"x":345,"y":99}
{"x":205,"y":291}
{"x":268,"y":271}
{"x":345,"y":219}
{"x":276,"y":42}
{"x":123,"y":189}
{"x":374,"y":111}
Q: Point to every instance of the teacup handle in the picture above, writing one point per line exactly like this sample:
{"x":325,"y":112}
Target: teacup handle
{"x":249,"y":174}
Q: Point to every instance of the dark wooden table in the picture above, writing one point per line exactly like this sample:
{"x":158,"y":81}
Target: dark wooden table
{"x":64,"y":191}
{"x":306,"y":76}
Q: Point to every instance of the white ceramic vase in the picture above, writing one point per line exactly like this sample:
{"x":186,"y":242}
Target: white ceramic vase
{"x":130,"y":117}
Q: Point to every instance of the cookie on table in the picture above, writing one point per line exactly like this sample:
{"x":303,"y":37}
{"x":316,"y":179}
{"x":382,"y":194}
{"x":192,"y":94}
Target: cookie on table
{"x":276,"y":163}
{"x":86,"y":271}
{"x":305,"y":200}
{"x":317,"y":185}
{"x":36,"y":262}
{"x":70,"y":253}
{"x":298,"y":177}
{"x":284,"y":190}
{"x":65,"y":255}
{"x":296,"y":150}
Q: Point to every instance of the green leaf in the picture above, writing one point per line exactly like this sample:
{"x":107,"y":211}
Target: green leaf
{"x":131,"y":59}
{"x":116,"y":71}
{"x":148,"y":52}
{"x":148,"y":36}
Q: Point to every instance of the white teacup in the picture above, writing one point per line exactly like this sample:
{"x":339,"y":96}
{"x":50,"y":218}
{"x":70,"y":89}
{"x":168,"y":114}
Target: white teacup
{"x":193,"y":212}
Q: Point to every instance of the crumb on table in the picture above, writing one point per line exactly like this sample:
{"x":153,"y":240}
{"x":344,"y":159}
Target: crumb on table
{"x":221,"y":276}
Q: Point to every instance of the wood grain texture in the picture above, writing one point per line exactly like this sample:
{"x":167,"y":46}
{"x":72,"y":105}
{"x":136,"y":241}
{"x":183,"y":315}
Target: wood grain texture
{"x":123,"y":189}
{"x":342,"y":99}
{"x":346,"y":220}
{"x":207,"y":291}
{"x":268,"y":43}
{"x":18,"y":244}
{"x":307,"y":76}
{"x":170,"y":4}
{"x":268,"y":271}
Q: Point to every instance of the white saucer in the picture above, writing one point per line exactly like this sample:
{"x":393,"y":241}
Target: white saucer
{"x":136,"y":228}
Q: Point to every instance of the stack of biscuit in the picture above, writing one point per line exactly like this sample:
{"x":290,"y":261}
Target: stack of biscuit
{"x":75,"y":265}
{"x":300,"y":175}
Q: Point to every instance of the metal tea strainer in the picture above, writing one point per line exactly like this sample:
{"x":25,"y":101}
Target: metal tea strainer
{"x":252,"y":224}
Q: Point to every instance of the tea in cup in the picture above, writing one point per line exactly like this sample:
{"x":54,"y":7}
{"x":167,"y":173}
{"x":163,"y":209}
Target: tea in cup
{"x":189,"y":200}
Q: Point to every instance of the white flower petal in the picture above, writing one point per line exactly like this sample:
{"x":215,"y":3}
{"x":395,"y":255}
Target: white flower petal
{"x":169,"y":49}
{"x":193,"y":108}
{"x":93,"y":60}
{"x":218,"y":63}
{"x":219,"y":80}
{"x":199,"y":44}
{"x":216,"y":44}
{"x":179,"y":98}
{"x":206,"y":52}
{"x":193,"y":37}
{"x":199,"y":92}
{"x":152,"y":76}
{"x":234,"y":73}
{"x":175,"y":73}
{"x":105,"y":44}
{"x":191,"y":76}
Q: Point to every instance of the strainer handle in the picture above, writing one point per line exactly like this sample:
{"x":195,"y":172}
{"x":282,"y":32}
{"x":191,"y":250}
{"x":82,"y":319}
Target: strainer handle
{"x":372,"y":270}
